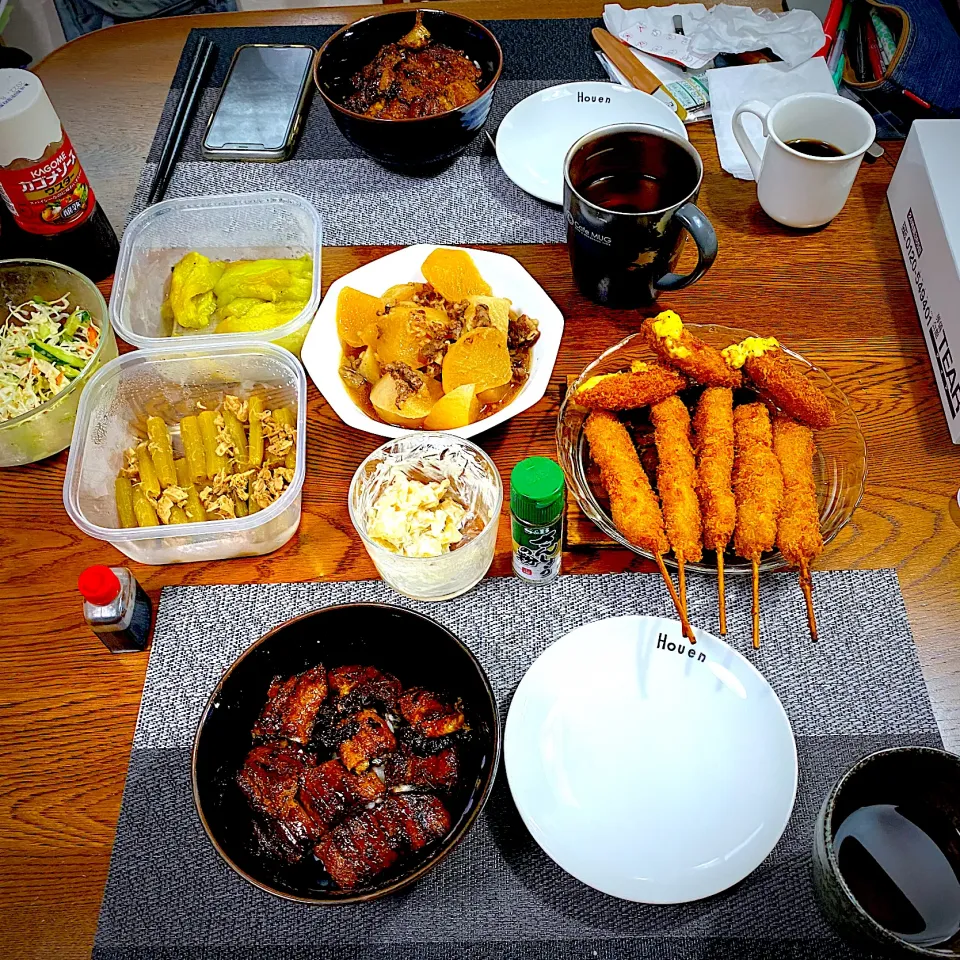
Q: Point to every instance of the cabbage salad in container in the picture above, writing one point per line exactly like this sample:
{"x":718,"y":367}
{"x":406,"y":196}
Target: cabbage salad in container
{"x":44,"y":346}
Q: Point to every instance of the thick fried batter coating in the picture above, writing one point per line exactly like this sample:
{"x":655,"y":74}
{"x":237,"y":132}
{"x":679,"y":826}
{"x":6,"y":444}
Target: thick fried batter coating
{"x":775,"y":374}
{"x":645,"y":384}
{"x":679,"y":348}
{"x":713,"y":443}
{"x":798,"y":533}
{"x":677,"y":478}
{"x":757,"y":481}
{"x":633,"y":504}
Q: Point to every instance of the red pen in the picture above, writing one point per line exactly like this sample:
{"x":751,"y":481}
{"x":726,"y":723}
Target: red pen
{"x":873,"y":49}
{"x":910,"y":95}
{"x":830,"y":26}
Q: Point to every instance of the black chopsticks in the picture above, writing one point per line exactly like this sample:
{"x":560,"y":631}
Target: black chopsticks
{"x":203,"y":59}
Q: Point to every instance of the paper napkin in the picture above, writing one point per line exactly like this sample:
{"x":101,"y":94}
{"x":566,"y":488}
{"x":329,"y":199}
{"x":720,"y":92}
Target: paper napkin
{"x":767,"y":82}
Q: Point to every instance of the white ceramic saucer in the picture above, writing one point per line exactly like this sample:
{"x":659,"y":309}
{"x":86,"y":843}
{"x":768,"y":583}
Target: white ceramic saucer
{"x":648,"y":768}
{"x":536,"y":134}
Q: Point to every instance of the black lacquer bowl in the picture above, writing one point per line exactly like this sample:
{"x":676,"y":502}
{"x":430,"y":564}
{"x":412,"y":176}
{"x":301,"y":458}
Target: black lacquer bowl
{"x":418,"y":651}
{"x":421,"y":143}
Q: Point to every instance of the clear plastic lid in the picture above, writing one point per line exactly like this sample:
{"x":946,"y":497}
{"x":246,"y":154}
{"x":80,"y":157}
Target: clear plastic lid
{"x":241,"y":226}
{"x":168,"y":383}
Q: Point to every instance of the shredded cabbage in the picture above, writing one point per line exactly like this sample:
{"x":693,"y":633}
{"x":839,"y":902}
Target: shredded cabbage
{"x":28,"y":377}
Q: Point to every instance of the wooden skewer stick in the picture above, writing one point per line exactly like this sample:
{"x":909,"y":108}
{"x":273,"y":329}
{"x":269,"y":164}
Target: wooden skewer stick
{"x":756,"y":604}
{"x":684,"y":622}
{"x":806,"y":585}
{"x":682,"y":583}
{"x":721,"y":596}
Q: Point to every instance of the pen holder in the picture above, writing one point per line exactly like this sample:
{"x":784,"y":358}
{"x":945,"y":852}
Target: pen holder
{"x":925,"y":66}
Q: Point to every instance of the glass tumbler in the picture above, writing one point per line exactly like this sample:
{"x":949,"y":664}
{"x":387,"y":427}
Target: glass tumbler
{"x":474,"y":483}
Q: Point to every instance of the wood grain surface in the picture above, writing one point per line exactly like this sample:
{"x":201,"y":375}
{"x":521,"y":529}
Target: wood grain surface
{"x":839,"y":295}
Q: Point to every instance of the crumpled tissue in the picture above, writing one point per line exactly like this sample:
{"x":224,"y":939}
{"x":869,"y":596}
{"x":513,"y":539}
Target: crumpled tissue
{"x":794,"y":37}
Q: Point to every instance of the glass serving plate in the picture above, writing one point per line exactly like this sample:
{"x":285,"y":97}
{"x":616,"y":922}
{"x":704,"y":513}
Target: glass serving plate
{"x":839,"y":466}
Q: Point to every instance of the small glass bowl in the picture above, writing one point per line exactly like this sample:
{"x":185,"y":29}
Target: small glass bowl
{"x":839,"y":467}
{"x":48,"y":429}
{"x":475,"y":483}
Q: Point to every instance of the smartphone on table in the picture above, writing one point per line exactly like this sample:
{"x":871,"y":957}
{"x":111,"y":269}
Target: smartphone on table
{"x":261,"y":106}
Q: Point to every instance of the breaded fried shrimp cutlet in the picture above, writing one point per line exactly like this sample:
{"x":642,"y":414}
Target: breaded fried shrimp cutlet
{"x":798,"y":531}
{"x":678,"y":347}
{"x":633,"y":504}
{"x":758,"y":490}
{"x":677,"y":483}
{"x":773,"y":372}
{"x":645,"y":384}
{"x":713,"y":445}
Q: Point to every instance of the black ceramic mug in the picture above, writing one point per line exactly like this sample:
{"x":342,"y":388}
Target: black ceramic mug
{"x":629,"y":195}
{"x":886,"y":853}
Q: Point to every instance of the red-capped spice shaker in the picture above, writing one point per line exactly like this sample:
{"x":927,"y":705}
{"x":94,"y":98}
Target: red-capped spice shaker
{"x":116,"y":607}
{"x":44,"y":186}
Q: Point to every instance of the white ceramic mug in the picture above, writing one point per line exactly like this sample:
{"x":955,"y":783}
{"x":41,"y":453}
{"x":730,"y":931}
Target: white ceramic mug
{"x":794,"y":188}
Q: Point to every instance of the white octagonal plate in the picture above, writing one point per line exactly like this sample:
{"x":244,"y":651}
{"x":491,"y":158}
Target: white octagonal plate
{"x":322,"y":352}
{"x":649,"y":768}
{"x":534,"y":137}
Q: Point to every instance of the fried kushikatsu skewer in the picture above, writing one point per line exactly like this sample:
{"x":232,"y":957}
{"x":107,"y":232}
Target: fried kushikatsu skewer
{"x":679,"y":348}
{"x":633,"y":504}
{"x":798,"y":532}
{"x":677,"y":484}
{"x":713,"y":442}
{"x":775,"y":374}
{"x":758,"y":491}
{"x":646,"y":383}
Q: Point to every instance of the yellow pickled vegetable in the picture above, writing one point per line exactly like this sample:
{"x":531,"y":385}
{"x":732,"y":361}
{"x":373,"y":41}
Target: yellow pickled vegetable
{"x":161,"y":452}
{"x":215,"y":462}
{"x":261,"y":316}
{"x":125,"y":511}
{"x":263,"y":279}
{"x":288,"y":418}
{"x":144,"y":509}
{"x":191,"y":290}
{"x":235,"y":431}
{"x":149,"y":481}
{"x":255,"y":443}
{"x":178,"y":515}
{"x":193,"y":507}
{"x":193,"y":449}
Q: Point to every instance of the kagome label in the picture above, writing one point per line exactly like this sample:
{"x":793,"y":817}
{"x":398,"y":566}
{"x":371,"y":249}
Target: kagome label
{"x":50,"y":195}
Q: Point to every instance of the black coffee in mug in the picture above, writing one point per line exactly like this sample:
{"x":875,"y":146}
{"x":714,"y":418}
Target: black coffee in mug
{"x":629,"y":195}
{"x":814,"y":148}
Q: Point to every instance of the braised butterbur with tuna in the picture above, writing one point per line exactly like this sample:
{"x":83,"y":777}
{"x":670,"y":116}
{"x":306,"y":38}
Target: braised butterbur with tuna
{"x":345,"y":768}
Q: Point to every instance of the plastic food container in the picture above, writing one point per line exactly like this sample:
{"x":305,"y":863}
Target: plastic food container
{"x":475,"y":484}
{"x":240,"y":226}
{"x":168,"y":383}
{"x":48,"y":429}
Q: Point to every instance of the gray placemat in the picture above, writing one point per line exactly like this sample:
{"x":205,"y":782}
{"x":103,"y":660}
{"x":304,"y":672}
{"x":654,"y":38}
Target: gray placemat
{"x":498,"y":895}
{"x":471,"y":201}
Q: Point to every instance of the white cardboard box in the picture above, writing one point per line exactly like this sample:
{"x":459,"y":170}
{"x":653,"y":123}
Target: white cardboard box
{"x":924,"y":198}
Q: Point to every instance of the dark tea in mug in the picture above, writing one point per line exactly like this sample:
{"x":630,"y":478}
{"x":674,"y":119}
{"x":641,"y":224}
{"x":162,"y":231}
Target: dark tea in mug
{"x":629,"y":196}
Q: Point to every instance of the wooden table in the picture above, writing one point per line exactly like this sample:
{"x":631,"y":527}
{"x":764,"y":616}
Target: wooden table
{"x":840,"y":296}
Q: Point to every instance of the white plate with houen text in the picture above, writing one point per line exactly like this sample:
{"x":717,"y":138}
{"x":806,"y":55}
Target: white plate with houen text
{"x":534,"y":137}
{"x":647,"y":767}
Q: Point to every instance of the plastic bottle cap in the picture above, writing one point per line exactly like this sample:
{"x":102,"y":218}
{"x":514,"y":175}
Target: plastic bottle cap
{"x":28,"y":122}
{"x":537,"y":490}
{"x":99,"y":586}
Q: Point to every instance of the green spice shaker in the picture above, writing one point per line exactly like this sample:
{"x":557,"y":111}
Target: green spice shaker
{"x":536,"y":509}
